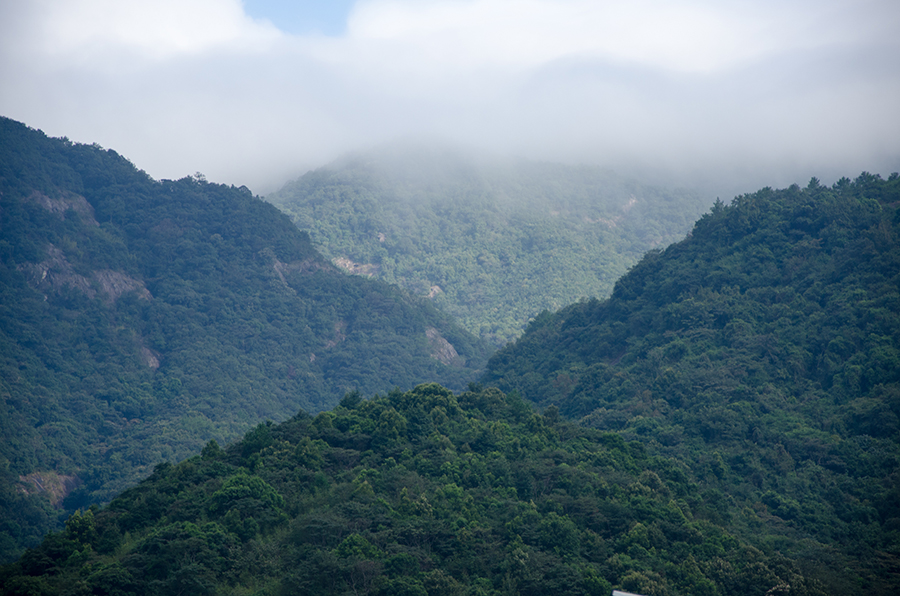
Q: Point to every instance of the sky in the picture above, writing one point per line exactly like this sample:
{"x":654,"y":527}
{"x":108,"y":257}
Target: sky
{"x":732,"y":94}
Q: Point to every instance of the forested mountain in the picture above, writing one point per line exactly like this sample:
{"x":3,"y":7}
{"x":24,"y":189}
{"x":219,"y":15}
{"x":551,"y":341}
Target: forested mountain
{"x":492,"y":243}
{"x":734,"y":404}
{"x":420,"y":493}
{"x":140,"y":318}
{"x":763,"y":354}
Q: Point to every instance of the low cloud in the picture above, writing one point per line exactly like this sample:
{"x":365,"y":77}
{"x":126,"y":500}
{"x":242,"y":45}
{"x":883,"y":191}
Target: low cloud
{"x":756,"y":93}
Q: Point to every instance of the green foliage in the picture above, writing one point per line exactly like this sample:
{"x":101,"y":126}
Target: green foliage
{"x":763,"y":354}
{"x":140,"y":319}
{"x":502,"y":241}
{"x":471,"y":494}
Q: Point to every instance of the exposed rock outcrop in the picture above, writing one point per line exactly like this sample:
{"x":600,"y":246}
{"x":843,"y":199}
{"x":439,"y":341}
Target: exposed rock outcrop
{"x":114,"y":284}
{"x":367,"y":269}
{"x":65,"y":202}
{"x":56,"y":272}
{"x":442,"y":350}
{"x":56,"y":486}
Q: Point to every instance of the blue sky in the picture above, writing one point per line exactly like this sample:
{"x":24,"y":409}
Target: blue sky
{"x":301,"y":17}
{"x":756,"y":93}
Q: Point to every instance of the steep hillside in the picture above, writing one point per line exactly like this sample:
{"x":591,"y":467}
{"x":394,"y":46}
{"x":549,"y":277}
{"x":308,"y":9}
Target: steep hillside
{"x":141,"y":318}
{"x":763,"y":352}
{"x":493,"y":244}
{"x":421,"y":493}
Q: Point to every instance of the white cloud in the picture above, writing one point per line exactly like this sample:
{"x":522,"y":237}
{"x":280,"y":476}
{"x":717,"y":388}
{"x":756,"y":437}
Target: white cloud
{"x":527,"y":33}
{"x":181,"y":86}
{"x":94,"y":31}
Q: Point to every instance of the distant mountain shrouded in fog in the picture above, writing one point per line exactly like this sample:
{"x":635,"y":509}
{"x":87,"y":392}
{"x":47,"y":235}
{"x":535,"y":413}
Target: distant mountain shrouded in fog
{"x":492,"y":243}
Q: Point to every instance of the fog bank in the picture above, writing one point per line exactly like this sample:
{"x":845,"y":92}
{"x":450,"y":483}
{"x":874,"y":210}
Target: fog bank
{"x":723,"y":94}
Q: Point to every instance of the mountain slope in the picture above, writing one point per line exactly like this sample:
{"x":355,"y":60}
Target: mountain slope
{"x":416,"y":493}
{"x":493,"y":244}
{"x":763,"y":351}
{"x":141,"y":318}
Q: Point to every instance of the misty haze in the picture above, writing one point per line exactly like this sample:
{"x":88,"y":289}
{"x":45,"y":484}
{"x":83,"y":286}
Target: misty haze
{"x":724,"y":96}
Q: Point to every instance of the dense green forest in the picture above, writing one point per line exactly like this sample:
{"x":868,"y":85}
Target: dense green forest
{"x":726,"y":422}
{"x":492,"y":243}
{"x":422,"y":493}
{"x":763,"y":354}
{"x":140,"y":318}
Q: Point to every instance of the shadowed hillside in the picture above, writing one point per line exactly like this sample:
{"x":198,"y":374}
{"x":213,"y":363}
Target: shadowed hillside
{"x":763,"y":352}
{"x":141,"y":318}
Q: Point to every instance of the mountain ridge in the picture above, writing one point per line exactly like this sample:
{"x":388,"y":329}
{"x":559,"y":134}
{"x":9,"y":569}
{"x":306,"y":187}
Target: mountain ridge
{"x":738,"y":397}
{"x":763,"y":353}
{"x":141,"y":318}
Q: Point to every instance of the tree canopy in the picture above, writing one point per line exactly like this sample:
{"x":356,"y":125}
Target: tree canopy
{"x":141,"y":318}
{"x":421,"y":492}
{"x":762,"y":352}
